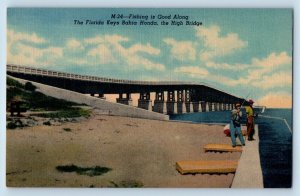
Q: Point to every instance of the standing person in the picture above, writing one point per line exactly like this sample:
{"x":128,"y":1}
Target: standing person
{"x":235,"y":125}
{"x":250,"y":120}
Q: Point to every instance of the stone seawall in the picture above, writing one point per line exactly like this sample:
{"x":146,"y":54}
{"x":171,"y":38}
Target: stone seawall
{"x":103,"y":106}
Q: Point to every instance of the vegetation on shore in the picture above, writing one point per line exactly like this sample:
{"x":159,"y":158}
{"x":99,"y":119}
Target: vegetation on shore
{"x":46,"y":106}
{"x":89,"y":171}
{"x":35,"y":101}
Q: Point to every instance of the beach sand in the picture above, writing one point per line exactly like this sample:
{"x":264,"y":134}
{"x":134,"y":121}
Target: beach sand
{"x":138,"y":151}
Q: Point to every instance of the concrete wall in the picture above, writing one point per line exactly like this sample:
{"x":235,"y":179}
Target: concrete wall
{"x":105,"y":107}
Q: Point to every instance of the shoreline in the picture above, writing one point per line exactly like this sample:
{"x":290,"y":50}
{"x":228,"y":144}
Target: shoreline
{"x":139,"y":151}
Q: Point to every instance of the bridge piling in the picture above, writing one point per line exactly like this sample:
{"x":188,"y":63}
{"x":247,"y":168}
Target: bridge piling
{"x":223,"y":106}
{"x":188,"y":107}
{"x":217,"y":106}
{"x":181,"y":108}
{"x":213,"y":105}
{"x":126,"y":101}
{"x":144,"y":101}
{"x":210,"y":106}
{"x":170,"y":104}
{"x":101,"y":96}
{"x":195,"y":106}
{"x":203,"y":106}
{"x":159,"y":103}
{"x":200,"y":106}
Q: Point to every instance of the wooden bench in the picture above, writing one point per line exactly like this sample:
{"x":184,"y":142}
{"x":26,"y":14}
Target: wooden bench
{"x":222,"y":148}
{"x":206,"y":167}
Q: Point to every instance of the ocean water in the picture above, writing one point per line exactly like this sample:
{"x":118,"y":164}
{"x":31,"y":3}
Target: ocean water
{"x":275,"y":146}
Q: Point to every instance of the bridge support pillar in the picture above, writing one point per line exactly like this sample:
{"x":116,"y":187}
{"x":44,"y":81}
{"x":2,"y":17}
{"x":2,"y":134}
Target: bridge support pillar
{"x":226,"y":106}
{"x":181,"y":108}
{"x":188,"y":107}
{"x":170,"y":104}
{"x":220,"y":106}
{"x":195,"y":106}
{"x":203,"y":106}
{"x":187,"y":100}
{"x":126,"y":101}
{"x":144,"y":101}
{"x":101,"y":96}
{"x":200,"y":106}
{"x":171,"y":109}
{"x":159,"y":103}
{"x":213,"y":106}
{"x":217,"y":106}
{"x":160,"y":106}
{"x":209,"y":105}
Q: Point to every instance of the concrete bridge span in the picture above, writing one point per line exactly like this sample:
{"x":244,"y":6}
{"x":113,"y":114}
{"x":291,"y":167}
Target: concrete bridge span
{"x":170,"y":97}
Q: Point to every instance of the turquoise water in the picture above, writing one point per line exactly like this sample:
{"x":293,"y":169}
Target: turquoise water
{"x":275,"y":146}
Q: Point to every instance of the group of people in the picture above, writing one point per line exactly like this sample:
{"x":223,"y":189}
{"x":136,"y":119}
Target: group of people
{"x":235,"y":123}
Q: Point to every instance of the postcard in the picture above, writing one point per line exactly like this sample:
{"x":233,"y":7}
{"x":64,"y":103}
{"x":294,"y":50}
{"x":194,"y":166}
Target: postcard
{"x":149,"y":97}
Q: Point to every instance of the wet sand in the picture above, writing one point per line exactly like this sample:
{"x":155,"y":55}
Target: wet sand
{"x":138,"y":151}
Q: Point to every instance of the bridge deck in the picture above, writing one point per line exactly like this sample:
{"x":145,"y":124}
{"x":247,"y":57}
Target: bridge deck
{"x":93,"y":84}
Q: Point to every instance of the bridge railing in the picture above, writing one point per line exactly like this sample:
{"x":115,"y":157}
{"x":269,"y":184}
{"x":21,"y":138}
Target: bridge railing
{"x":37,"y":71}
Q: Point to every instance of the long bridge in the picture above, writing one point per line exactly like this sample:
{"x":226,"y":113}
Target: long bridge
{"x":181,"y":96}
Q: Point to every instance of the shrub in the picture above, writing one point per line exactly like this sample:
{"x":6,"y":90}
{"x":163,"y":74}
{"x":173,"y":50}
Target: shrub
{"x":89,"y":171}
{"x":29,"y":86}
{"x":12,"y":82}
{"x":47,"y":123}
{"x":11,"y":125}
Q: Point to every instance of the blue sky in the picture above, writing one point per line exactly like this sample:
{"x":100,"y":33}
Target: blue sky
{"x":241,"y":51}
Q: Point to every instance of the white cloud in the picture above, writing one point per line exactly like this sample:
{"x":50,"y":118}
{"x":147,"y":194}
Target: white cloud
{"x":136,"y":48}
{"x":226,"y":66}
{"x":273,"y":60}
{"x":21,"y":51}
{"x":216,"y":45}
{"x":110,"y":50}
{"x":192,"y":71}
{"x":98,"y":50}
{"x":74,"y":44}
{"x":181,"y":50}
{"x":136,"y":61}
{"x":278,"y":79}
{"x":260,"y":73}
{"x":32,"y":56}
{"x":103,"y":53}
{"x":113,"y":39}
{"x":276,"y":100}
{"x":13,"y":36}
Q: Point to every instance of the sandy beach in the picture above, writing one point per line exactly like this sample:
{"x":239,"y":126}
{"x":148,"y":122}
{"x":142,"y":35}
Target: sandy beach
{"x":138,"y":151}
